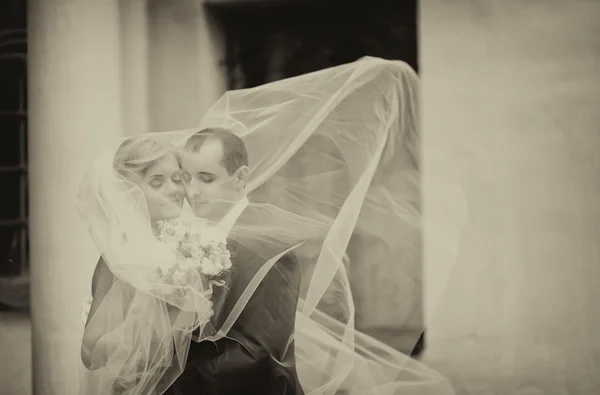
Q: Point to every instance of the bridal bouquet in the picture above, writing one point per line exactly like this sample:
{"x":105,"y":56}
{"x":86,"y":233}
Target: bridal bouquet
{"x":195,"y":251}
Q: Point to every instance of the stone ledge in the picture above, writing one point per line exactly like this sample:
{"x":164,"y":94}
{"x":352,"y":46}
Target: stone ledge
{"x":14,"y":292}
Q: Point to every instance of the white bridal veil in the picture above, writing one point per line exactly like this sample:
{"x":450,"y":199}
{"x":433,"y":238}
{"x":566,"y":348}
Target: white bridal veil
{"x":333,"y":154}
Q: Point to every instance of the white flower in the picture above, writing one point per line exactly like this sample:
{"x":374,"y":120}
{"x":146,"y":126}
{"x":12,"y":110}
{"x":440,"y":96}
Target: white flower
{"x":209,"y":268}
{"x":227,"y":264}
{"x":205,"y":262}
{"x":171,"y":231}
{"x":197,"y":252}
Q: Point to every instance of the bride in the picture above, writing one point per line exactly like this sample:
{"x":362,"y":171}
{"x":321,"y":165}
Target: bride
{"x":153,"y":167}
{"x":262,"y":299}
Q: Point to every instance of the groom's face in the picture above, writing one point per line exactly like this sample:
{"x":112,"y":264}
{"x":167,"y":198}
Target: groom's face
{"x":210,"y":190}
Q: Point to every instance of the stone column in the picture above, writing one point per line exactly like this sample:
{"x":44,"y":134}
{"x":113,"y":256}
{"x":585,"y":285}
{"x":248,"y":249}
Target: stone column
{"x":75,"y":110}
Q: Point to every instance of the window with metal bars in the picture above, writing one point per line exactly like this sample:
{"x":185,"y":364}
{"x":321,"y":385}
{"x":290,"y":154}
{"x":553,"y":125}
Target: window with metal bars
{"x":13,"y":152}
{"x":294,"y":37}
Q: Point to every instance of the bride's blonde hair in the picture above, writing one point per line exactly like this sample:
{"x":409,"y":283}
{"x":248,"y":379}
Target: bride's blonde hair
{"x":136,"y":154}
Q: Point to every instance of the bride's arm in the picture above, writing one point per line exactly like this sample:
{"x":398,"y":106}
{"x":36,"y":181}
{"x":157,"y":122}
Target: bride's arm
{"x":96,"y":336}
{"x":100,"y":338}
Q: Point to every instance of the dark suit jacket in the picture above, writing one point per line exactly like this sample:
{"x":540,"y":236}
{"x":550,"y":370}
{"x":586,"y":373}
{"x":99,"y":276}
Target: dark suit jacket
{"x":257,"y":355}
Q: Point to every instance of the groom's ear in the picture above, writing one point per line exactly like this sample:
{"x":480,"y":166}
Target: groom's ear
{"x":242,"y":176}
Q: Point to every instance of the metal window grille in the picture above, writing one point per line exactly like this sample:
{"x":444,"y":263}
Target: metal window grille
{"x":13,"y":152}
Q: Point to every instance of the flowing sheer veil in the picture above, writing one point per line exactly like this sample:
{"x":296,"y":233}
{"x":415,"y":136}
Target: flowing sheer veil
{"x":333,"y":154}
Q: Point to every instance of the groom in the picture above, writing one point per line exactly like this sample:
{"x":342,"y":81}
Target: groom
{"x":257,"y":354}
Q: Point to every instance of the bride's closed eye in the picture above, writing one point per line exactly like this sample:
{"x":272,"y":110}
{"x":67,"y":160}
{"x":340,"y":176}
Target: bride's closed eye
{"x":177,"y":177}
{"x":156,"y":182}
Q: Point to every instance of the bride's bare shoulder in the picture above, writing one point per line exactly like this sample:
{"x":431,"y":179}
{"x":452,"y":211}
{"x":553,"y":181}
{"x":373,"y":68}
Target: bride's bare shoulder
{"x":103,"y":278}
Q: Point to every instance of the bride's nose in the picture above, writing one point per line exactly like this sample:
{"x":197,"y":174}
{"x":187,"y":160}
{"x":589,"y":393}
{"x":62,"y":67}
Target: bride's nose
{"x":175,"y":189}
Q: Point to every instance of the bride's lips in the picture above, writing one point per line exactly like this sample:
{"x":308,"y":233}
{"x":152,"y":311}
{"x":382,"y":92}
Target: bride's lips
{"x":174,"y":201}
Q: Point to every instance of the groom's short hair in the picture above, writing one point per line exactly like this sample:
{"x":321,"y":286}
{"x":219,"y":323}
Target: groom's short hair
{"x":235,"y":154}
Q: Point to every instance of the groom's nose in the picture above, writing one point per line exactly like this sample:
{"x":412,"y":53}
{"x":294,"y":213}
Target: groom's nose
{"x":193,"y":188}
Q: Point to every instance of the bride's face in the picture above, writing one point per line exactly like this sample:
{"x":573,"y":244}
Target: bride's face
{"x":163,"y":188}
